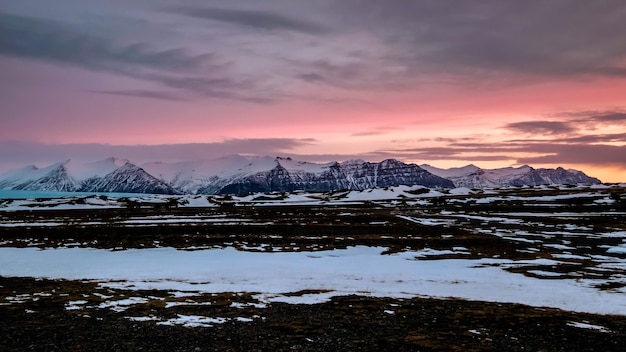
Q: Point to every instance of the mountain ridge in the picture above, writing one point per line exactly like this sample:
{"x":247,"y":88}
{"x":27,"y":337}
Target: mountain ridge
{"x":239,"y":174}
{"x":472,"y":176}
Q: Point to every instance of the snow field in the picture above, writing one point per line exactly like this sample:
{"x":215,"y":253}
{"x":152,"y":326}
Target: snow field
{"x":356,"y":270}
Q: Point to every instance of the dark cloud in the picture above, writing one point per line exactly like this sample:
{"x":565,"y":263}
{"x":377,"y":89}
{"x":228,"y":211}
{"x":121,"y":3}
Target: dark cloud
{"x":400,"y":45}
{"x":541,"y":127}
{"x":55,"y":42}
{"x":575,"y":150}
{"x":151,"y":94}
{"x":584,"y":139}
{"x":599,"y":154}
{"x":354,"y":74}
{"x":453,"y":156}
{"x":224,"y":88}
{"x":189,"y":87}
{"x":611,"y":117}
{"x":250,"y":18}
{"x":504,"y":147}
{"x":433,"y":152}
{"x":457,"y":140}
{"x":311,"y":77}
{"x":599,"y":138}
{"x":478,"y":37}
{"x":482,"y":153}
{"x":607,"y":116}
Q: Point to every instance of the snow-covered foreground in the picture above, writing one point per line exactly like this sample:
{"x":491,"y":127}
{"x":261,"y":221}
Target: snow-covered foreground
{"x":356,"y":270}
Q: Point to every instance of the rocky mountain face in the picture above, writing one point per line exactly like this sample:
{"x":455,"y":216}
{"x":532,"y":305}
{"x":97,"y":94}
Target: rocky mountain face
{"x":288,"y":175}
{"x":472,"y":176}
{"x":237,"y":174}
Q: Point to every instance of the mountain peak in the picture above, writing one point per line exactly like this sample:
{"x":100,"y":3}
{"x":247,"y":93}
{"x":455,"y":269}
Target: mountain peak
{"x":353,"y":161}
{"x":116,"y":161}
{"x":472,"y":176}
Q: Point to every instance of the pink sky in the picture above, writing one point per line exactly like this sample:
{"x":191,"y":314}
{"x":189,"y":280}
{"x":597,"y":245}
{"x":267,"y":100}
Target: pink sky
{"x":493,"y":83}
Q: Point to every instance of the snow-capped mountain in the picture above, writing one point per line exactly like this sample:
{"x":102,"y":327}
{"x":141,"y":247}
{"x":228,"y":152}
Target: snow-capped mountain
{"x":208,"y":176}
{"x":109,"y":175}
{"x":289,"y":175}
{"x":128,"y":178}
{"x":238,"y":174}
{"x":472,"y":176}
{"x":51,"y":178}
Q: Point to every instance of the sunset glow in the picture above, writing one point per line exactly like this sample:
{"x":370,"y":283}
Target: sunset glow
{"x":492,"y":83}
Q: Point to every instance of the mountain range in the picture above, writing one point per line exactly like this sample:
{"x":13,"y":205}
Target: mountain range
{"x":471,"y":176}
{"x":238,"y":174}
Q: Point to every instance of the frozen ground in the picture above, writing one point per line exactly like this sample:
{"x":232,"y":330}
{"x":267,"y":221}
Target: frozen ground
{"x":556,"y":247}
{"x":355,"y":270}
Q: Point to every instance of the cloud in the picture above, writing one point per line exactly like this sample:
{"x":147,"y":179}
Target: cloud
{"x":479,"y":38}
{"x":250,"y":18}
{"x":611,"y":117}
{"x":368,"y":133}
{"x":449,"y":152}
{"x":55,"y":42}
{"x":584,"y":139}
{"x":575,"y":150}
{"x":353,"y":74}
{"x":16,"y":153}
{"x":606,"y":116}
{"x":541,"y":127}
{"x":380,"y":130}
{"x":311,"y":77}
{"x":576,"y":154}
{"x":224,"y":88}
{"x":151,"y":94}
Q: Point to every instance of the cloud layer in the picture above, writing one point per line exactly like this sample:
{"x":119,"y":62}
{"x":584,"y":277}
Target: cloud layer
{"x":493,"y":81}
{"x":250,"y":18}
{"x":16,"y":153}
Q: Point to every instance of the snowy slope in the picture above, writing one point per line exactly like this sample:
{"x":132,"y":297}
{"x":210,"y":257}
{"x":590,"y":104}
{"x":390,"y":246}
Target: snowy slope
{"x":128,"y":178}
{"x":208,"y":176}
{"x":13,"y":178}
{"x":101,"y":168}
{"x":454,"y":172}
{"x":52,"y":178}
{"x":109,"y":175}
{"x":472,"y":176}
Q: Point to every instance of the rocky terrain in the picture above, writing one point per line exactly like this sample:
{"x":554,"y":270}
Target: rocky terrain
{"x":403,"y":269}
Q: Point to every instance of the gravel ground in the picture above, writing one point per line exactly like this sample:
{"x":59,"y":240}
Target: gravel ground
{"x":348,"y":323}
{"x":43,"y":315}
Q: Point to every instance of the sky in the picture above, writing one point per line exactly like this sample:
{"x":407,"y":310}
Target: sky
{"x":494,"y":83}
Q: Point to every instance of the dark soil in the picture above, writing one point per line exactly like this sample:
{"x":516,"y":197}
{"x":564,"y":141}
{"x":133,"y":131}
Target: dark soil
{"x":350,"y":323}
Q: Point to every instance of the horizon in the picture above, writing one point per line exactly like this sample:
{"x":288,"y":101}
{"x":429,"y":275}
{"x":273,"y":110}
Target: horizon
{"x":82,"y":163}
{"x":490,"y":83}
